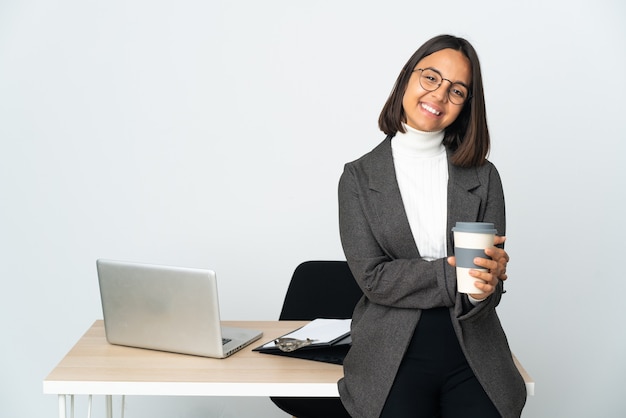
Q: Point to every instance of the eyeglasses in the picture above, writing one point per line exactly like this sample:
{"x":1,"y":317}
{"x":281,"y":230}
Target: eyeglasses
{"x":431,"y":80}
{"x":291,"y":344}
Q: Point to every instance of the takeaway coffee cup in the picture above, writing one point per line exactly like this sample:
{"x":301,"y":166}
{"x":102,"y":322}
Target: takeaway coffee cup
{"x":470,"y":241}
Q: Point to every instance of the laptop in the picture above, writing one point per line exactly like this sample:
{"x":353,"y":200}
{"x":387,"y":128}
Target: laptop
{"x":166,"y":308}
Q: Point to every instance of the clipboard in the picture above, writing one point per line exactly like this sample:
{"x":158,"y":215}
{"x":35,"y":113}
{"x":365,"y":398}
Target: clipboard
{"x":330,"y":341}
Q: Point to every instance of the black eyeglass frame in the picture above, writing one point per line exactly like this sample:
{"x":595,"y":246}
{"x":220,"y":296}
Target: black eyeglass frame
{"x":452,"y":83}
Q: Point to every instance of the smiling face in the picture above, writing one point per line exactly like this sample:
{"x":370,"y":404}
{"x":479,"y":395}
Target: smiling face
{"x":432,"y":111}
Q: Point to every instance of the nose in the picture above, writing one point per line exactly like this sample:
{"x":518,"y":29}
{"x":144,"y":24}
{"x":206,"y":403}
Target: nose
{"x":441,"y":92}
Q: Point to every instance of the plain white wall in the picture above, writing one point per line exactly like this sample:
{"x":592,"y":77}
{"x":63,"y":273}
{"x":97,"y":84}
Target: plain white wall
{"x":213,"y":133}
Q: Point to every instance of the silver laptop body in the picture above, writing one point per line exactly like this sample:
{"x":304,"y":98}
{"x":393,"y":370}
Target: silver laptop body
{"x":166,"y":308}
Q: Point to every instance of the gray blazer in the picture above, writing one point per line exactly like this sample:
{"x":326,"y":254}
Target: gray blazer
{"x":397,"y":284}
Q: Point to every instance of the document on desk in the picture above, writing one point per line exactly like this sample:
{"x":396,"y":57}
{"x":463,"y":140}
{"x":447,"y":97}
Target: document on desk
{"x":325,"y":340}
{"x":320,"y":331}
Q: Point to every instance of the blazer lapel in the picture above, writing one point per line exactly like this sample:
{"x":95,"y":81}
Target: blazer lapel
{"x":387,"y":202}
{"x":463,"y":206}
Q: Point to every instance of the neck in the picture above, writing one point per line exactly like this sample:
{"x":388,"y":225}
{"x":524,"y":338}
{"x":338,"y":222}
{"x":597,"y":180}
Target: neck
{"x":419,"y":143}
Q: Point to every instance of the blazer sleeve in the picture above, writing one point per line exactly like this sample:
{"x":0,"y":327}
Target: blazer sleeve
{"x":387,"y":268}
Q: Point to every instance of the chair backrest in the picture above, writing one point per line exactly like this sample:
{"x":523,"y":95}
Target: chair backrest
{"x":321,"y":289}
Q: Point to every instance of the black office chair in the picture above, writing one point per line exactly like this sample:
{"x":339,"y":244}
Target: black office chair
{"x":318,"y":289}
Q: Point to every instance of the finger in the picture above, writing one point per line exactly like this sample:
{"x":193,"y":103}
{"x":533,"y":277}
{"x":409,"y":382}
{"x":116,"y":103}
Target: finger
{"x":485,"y":276}
{"x":452,"y":261}
{"x":479,"y":296}
{"x":485,"y":279}
{"x":499,"y":240}
{"x":486,"y":288}
{"x":497,"y":253}
{"x":501,"y":272}
{"x":492,"y":265}
{"x":496,"y":268}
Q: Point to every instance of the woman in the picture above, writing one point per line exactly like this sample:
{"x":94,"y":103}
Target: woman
{"x":420,"y":348}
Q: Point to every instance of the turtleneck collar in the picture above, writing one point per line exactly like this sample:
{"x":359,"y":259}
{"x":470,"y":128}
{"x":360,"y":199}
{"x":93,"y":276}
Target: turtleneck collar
{"x":416,"y":143}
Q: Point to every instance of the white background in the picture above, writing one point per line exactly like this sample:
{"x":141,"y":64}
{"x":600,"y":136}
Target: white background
{"x":213,"y":134}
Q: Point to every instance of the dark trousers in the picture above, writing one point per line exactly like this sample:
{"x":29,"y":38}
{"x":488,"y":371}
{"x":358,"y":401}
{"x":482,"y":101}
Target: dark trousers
{"x":434,"y":379}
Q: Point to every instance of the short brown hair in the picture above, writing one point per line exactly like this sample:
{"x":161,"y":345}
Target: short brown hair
{"x":468,"y":136}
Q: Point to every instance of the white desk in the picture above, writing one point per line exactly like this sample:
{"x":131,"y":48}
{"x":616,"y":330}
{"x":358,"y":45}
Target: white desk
{"x":95,"y":367}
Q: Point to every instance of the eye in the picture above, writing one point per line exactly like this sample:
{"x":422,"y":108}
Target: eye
{"x":458,"y":91}
{"x":431,"y":78}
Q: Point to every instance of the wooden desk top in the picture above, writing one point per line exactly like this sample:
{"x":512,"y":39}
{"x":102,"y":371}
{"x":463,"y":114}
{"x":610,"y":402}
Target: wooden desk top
{"x":93,"y":366}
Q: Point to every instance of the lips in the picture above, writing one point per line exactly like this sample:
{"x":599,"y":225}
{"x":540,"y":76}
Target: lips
{"x":430,"y":109}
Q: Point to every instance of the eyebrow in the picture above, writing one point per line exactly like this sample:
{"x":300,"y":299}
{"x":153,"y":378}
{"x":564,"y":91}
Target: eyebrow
{"x":453,"y":82}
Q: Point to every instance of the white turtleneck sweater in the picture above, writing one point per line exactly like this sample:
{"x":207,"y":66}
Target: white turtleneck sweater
{"x":422,"y":172}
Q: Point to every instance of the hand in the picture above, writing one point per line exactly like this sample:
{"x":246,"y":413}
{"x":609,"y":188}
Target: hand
{"x":499,"y":255}
{"x":496,"y":269}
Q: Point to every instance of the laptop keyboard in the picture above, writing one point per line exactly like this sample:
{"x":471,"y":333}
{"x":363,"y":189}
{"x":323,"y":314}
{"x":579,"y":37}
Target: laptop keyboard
{"x":226,"y":341}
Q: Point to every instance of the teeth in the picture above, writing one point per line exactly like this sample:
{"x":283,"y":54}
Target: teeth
{"x":430,"y":109}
